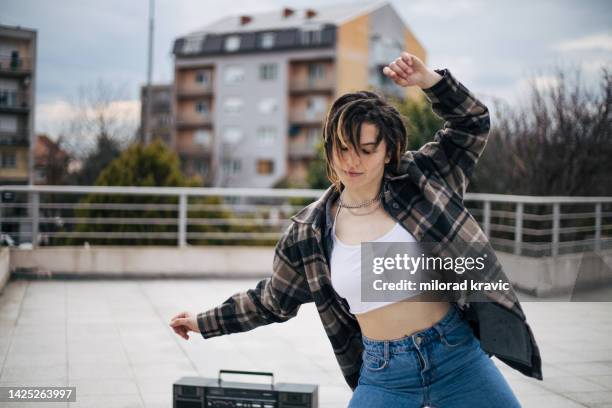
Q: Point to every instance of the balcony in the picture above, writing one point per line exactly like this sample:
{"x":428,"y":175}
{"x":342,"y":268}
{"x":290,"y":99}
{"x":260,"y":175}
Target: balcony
{"x":302,"y":149}
{"x":306,"y":117}
{"x":19,"y":137}
{"x":187,"y":91}
{"x":15,"y":65}
{"x":194,"y":150}
{"x":14,"y":101}
{"x":184,"y":121}
{"x":303,"y":85}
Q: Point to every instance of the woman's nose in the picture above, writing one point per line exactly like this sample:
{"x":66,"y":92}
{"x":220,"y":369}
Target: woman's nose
{"x":353,"y":158}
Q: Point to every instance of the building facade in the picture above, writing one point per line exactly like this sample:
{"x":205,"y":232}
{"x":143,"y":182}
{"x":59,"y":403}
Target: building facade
{"x":161,"y":122}
{"x":251,"y":91}
{"x":17,"y":80}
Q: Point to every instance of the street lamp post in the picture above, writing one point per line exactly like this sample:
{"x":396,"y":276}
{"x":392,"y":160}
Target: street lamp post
{"x":148,"y":93}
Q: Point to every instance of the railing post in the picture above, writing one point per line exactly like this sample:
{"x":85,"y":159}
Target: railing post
{"x":598,"y":227}
{"x":555,"y":228}
{"x":487,"y":218}
{"x":182,"y":221}
{"x":274,"y":216}
{"x":518,"y":228}
{"x":35,"y":216}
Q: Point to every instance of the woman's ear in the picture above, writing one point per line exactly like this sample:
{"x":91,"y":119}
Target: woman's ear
{"x":387,"y":158}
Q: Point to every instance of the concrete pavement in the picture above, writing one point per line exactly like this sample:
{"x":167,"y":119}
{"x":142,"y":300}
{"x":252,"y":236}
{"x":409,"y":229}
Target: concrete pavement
{"x":112,"y":341}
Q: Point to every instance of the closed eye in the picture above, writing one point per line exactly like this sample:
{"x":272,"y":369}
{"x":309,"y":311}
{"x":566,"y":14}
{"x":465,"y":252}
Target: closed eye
{"x":344,"y":149}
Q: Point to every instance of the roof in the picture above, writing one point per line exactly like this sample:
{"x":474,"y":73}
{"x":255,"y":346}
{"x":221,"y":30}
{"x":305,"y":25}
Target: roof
{"x":274,"y":20}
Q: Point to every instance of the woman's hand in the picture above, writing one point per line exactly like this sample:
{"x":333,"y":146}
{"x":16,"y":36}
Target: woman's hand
{"x":183,"y":323}
{"x":409,"y":70}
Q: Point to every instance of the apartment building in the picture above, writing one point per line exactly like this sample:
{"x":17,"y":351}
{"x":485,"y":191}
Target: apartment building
{"x":17,"y":74}
{"x":161,"y":114}
{"x":251,"y":91}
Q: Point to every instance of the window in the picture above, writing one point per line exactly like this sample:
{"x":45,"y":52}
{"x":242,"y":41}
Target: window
{"x":231,"y":166}
{"x":192,"y":45}
{"x":164,"y":120}
{"x":232,"y":43}
{"x":203,"y":77}
{"x":8,"y":97}
{"x":202,"y":107}
{"x":267,"y":105}
{"x":310,"y":37}
{"x":233,"y":74}
{"x":265,"y":167}
{"x":232,"y":134}
{"x":267,"y":40}
{"x":233,"y":105}
{"x":268,"y":71}
{"x":266,"y":135}
{"x":316,"y":104}
{"x":202,"y":138}
{"x":8,"y":160}
{"x":200,"y":167}
{"x":316,"y":71}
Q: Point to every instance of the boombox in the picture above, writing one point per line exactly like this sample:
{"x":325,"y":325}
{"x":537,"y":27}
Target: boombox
{"x":200,"y":392}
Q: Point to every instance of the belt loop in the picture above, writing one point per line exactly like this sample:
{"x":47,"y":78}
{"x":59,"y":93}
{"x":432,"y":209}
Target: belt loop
{"x":386,"y":350}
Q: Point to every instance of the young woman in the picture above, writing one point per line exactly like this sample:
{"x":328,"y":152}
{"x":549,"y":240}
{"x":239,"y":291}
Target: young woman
{"x":392,"y":354}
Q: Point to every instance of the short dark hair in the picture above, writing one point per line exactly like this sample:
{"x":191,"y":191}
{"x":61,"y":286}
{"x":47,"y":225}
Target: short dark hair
{"x":345,"y":117}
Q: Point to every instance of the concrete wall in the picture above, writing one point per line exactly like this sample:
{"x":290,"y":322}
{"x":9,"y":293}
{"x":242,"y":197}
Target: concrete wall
{"x":538,"y":276}
{"x":352,"y":55}
{"x":155,"y":262}
{"x":558,"y":275}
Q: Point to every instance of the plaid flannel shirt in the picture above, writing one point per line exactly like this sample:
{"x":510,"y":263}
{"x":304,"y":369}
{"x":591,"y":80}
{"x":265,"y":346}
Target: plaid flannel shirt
{"x":426,"y":197}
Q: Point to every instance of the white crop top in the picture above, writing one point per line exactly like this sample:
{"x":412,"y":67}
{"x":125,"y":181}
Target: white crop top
{"x":345,"y":267}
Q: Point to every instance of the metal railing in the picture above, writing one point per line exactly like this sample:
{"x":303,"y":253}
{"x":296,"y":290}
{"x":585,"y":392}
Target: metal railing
{"x":543,"y":226}
{"x":15,"y":64}
{"x":73,"y":215}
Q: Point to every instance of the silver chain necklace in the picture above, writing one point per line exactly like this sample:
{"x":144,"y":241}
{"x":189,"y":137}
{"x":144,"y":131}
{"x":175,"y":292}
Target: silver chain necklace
{"x":366,"y":203}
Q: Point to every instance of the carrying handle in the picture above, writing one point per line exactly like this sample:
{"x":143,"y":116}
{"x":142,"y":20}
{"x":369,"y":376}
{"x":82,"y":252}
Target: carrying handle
{"x":246,"y":372}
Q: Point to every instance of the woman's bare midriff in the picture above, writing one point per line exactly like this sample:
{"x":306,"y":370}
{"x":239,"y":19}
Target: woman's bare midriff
{"x":401,"y":319}
{"x":398,"y":319}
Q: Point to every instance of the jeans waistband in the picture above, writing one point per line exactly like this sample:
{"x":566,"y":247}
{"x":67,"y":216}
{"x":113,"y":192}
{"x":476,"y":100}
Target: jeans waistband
{"x":452,"y":319}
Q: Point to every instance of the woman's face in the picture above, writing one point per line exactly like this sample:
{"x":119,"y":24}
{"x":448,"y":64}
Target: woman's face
{"x":355,"y":170}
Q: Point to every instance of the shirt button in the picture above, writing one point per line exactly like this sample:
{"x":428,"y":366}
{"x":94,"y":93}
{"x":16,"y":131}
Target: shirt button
{"x":395,"y":205}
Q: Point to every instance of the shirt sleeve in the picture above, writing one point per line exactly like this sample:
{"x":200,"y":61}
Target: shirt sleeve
{"x":274,"y":299}
{"x":456,"y":147}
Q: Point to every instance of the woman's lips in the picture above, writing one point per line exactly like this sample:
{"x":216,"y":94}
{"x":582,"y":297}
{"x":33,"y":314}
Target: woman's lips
{"x":352,"y":174}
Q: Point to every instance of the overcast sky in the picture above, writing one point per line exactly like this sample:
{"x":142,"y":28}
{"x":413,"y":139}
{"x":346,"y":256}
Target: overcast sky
{"x":490,"y":46}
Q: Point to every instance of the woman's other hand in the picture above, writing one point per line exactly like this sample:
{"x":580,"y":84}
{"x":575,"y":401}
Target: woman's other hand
{"x":409,"y":70}
{"x":183,"y":323}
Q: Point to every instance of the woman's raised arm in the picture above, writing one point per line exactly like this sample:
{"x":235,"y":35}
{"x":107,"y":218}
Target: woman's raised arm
{"x":459,"y":144}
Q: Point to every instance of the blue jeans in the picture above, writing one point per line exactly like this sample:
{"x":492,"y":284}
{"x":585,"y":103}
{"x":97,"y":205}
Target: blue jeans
{"x":440,"y":367}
